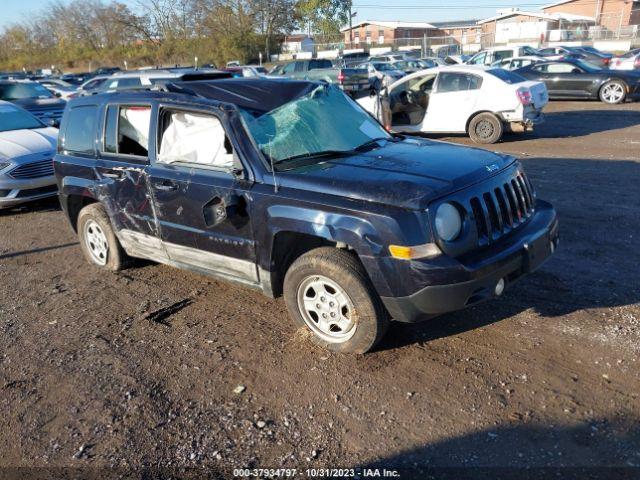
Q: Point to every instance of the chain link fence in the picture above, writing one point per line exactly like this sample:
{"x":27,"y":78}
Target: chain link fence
{"x":622,"y":38}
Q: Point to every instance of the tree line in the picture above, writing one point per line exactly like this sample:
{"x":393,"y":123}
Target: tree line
{"x":85,"y":34}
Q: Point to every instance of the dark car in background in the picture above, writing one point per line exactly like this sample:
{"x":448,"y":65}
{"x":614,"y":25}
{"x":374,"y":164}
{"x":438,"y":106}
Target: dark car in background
{"x":587,"y":54}
{"x":34,"y":98}
{"x":582,"y":80}
{"x":291,"y":188}
{"x":76,"y":78}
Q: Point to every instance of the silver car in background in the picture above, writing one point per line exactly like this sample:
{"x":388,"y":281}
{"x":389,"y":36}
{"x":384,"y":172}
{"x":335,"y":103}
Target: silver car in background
{"x":382,"y":73}
{"x":27,"y":147}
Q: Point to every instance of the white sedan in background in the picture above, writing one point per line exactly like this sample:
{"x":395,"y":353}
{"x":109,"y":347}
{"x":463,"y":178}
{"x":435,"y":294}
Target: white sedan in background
{"x":27,"y":147}
{"x":514,"y":63}
{"x":628,"y":61}
{"x":482,"y":102}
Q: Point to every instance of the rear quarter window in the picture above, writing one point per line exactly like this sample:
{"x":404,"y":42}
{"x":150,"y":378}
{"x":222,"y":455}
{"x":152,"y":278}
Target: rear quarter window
{"x":80,"y":130}
{"x":506,"y":76}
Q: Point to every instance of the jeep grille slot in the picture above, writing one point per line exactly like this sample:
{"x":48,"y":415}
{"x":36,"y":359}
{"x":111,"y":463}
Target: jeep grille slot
{"x":498,"y":211}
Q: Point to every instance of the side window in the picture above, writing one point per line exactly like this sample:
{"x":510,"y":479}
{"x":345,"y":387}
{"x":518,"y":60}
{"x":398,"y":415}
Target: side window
{"x":456,"y":82}
{"x":478,"y":59}
{"x":194,"y":138}
{"x":502,"y":54}
{"x":80,"y":130}
{"x":288,"y":68}
{"x":540,"y":68}
{"x":127,"y":130}
{"x":561,"y":68}
{"x":129,"y":82}
{"x":299,"y":66}
{"x":313,"y":64}
{"x":424,"y":84}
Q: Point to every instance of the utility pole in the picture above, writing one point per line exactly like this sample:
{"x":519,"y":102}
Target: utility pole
{"x":351,"y":15}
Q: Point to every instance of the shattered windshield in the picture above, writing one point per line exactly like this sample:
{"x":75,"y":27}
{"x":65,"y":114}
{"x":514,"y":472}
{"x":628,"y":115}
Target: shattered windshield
{"x":322,"y":123}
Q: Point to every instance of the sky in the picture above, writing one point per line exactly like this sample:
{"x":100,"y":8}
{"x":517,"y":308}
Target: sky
{"x":404,"y":10}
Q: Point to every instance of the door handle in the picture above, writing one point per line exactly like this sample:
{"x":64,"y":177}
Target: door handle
{"x":114,"y":175}
{"x":166,"y":186}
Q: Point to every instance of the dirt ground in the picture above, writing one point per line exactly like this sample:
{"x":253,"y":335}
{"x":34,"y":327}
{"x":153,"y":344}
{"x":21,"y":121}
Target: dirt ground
{"x":94,"y":374}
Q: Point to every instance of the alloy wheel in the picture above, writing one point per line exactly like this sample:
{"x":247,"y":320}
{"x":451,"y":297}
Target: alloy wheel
{"x":612,"y":93}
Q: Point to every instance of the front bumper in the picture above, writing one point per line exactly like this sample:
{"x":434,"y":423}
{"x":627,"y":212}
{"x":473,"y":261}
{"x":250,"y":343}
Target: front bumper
{"x":15,"y":192}
{"x":533,"y":245}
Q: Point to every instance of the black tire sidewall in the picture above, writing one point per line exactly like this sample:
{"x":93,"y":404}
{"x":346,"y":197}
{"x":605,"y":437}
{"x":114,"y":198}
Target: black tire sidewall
{"x":497,"y":131}
{"x":97,"y":213}
{"x":341,"y":267}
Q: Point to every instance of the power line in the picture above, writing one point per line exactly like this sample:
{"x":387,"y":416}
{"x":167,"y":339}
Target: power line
{"x":458,"y":5}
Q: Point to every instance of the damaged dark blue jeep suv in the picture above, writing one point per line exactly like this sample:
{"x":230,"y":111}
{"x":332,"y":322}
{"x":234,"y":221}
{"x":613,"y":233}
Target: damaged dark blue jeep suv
{"x":290,"y":187}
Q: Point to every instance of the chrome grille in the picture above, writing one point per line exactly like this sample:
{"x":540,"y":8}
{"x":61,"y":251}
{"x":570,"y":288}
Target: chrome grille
{"x":498,"y":211}
{"x":42,"y":168}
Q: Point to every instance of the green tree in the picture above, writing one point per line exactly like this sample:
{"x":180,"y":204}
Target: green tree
{"x":325,"y":17}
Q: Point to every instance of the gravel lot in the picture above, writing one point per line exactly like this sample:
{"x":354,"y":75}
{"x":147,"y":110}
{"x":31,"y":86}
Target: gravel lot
{"x":94,"y":373}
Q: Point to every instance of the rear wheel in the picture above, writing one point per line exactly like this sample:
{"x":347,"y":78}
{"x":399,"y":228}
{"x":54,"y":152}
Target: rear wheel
{"x":613,"y":92}
{"x":328,"y":292}
{"x":486,"y":128}
{"x":98,"y":240}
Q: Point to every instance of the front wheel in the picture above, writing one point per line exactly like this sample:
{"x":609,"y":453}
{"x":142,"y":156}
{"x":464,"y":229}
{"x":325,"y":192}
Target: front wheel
{"x":486,"y":128}
{"x":613,"y":92}
{"x":328,"y":292}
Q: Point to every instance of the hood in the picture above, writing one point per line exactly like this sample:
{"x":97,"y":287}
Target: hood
{"x":40,"y":103}
{"x":409,"y":174}
{"x":18,"y":143}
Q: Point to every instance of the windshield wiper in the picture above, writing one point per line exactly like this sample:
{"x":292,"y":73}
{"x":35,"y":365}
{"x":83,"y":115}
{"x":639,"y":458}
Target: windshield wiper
{"x":373,"y":143}
{"x":323,"y":153}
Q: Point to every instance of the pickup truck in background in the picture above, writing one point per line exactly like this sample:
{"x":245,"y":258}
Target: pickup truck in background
{"x":354,"y":81}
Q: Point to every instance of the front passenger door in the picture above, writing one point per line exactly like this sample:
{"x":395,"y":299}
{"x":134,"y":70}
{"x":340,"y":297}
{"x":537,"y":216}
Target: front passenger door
{"x":202,"y":202}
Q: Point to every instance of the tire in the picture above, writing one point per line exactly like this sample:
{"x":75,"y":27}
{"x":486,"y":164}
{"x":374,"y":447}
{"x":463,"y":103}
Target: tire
{"x":486,"y":128}
{"x":355,"y":319}
{"x":98,"y":241}
{"x":613,"y":92}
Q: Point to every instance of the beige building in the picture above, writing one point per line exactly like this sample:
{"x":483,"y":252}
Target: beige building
{"x":521,"y":26}
{"x":372,"y":32}
{"x":610,"y":14}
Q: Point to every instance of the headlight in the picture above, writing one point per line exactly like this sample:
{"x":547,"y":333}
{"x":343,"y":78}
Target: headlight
{"x":448,"y":222}
{"x":4,"y":165}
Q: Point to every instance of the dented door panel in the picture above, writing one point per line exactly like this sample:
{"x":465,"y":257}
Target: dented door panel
{"x":204,"y":219}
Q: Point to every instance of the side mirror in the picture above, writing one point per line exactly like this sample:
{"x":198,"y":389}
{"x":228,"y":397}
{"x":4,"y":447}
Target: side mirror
{"x":58,"y":94}
{"x":52,"y":122}
{"x":576,"y":70}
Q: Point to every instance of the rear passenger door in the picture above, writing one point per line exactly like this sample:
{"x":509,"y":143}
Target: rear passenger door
{"x":124,"y":157}
{"x":200,"y":195}
{"x":452,"y":102}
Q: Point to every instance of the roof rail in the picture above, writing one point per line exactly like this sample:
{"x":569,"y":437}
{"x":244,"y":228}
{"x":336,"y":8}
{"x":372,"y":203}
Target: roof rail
{"x":193,"y":77}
